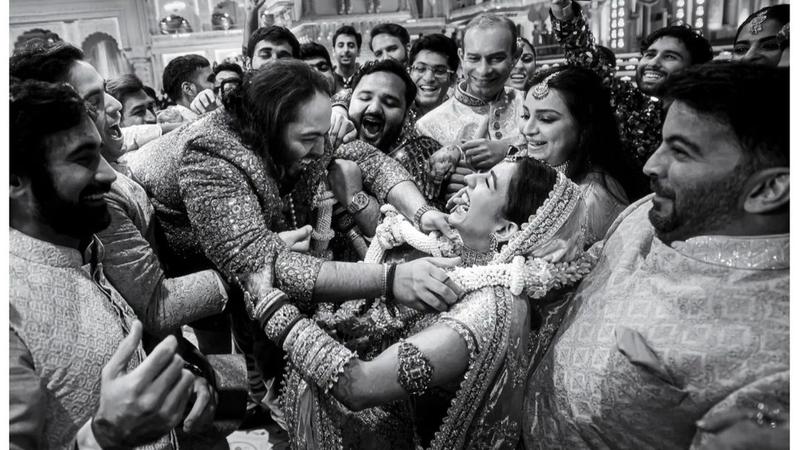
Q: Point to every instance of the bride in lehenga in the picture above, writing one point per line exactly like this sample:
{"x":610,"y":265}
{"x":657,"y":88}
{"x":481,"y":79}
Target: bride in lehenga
{"x":435,"y":380}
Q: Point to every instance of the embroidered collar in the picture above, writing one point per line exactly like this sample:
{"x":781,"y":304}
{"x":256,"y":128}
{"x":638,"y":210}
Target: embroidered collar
{"x":739,"y":252}
{"x":468,"y":99}
{"x":46,"y":253}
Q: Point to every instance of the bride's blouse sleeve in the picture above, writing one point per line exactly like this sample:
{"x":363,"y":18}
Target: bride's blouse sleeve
{"x":474,"y":318}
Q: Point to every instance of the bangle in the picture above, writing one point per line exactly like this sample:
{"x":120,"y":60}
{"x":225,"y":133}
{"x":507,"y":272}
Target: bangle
{"x":279,"y":324}
{"x":421,"y":212}
{"x":194,"y":369}
{"x":389,"y":291}
{"x":267,"y":306}
{"x":385,"y":284}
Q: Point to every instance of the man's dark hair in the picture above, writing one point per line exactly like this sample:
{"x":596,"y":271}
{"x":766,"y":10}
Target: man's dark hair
{"x":273,"y":33}
{"x":752,"y":99}
{"x":347,"y":30}
{"x":391,"y":29}
{"x":437,"y":43}
{"x":391,"y":66}
{"x":123,"y":86}
{"x":779,"y":13}
{"x":269,"y":98}
{"x":44,"y":61}
{"x":37,"y":110}
{"x":698,"y":47}
{"x":230,"y":67}
{"x":313,"y":50}
{"x":179,"y":71}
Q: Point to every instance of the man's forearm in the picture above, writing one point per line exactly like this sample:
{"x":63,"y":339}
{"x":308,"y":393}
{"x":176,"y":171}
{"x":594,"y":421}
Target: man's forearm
{"x":407,"y":198}
{"x":341,"y":281}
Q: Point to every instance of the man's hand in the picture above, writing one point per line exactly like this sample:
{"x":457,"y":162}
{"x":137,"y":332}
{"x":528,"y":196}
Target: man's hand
{"x":561,"y":9}
{"x":169,"y":115}
{"x":483,"y":154}
{"x":458,"y":180}
{"x":434,"y":220}
{"x":166,"y":127}
{"x":203,"y":407}
{"x":298,"y":240}
{"x":146,"y":403}
{"x":344,"y":177}
{"x":423,"y":284}
{"x":342,"y":129}
{"x":204,"y":102}
{"x":456,"y":200}
{"x":736,"y":430}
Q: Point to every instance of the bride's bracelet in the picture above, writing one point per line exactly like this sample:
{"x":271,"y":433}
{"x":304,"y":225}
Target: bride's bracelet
{"x":319,"y":358}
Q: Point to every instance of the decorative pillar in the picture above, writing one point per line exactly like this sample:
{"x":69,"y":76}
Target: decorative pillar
{"x":618,"y":16}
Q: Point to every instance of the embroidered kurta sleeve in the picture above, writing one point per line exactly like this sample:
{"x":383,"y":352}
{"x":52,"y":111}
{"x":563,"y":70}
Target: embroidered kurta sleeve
{"x":132,"y":266}
{"x":26,"y":397}
{"x":342,"y":98}
{"x":233,"y":225}
{"x":379,"y":172}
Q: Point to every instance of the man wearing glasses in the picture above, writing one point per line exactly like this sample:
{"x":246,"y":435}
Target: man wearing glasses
{"x":434,"y":61}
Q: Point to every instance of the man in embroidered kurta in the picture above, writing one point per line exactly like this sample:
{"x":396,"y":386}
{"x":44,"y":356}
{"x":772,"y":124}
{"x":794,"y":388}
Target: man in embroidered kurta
{"x":685,"y":318}
{"x":482,"y":115}
{"x":131,"y":264}
{"x":73,"y":337}
{"x":639,"y":112}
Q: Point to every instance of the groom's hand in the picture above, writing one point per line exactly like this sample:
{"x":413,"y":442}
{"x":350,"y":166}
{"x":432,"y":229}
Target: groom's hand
{"x":423,"y":284}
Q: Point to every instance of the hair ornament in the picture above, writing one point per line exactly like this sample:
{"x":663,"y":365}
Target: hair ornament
{"x":757,"y":24}
{"x":541,"y":90}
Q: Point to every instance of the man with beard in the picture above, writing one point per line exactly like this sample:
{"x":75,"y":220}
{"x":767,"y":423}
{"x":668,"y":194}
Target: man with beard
{"x":163,"y":304}
{"x":379,"y":107}
{"x":78,"y":374}
{"x":680,"y":334}
{"x":389,"y":41}
{"x":346,"y":48}
{"x":481,"y":117}
{"x":664,"y":52}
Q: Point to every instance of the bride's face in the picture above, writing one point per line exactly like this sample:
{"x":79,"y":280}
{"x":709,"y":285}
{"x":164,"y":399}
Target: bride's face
{"x":485,"y":198}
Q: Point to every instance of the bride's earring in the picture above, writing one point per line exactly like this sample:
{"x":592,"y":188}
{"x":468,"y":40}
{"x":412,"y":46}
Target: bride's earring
{"x":493,"y":242}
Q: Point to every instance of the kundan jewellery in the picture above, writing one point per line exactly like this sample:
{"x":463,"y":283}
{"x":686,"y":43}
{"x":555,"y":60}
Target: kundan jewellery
{"x":757,"y":24}
{"x":541,"y":90}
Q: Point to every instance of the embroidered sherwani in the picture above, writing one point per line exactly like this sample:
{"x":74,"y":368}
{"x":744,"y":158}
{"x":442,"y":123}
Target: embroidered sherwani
{"x":659,"y":336}
{"x":66,"y":322}
{"x":459,"y":117}
{"x":133,"y":267}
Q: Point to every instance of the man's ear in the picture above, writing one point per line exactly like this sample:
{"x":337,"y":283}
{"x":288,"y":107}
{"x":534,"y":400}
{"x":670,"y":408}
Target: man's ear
{"x":506,"y":230}
{"x":767,"y":191}
{"x":188,"y":89}
{"x":18,"y":187}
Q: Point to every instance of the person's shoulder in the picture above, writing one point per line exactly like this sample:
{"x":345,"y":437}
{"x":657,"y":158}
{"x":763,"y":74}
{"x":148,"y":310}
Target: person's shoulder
{"x":436,"y":113}
{"x":635,"y":215}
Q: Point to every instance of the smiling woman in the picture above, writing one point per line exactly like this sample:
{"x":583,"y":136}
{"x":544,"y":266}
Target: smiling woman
{"x":568,"y":123}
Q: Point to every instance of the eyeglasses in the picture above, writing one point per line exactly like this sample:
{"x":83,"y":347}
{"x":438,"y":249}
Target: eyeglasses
{"x":438,"y":71}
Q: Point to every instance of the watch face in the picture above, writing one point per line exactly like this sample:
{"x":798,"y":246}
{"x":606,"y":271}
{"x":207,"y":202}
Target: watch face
{"x":358,"y":202}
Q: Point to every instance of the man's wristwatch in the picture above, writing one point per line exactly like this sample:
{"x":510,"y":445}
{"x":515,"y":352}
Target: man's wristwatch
{"x":359,"y":201}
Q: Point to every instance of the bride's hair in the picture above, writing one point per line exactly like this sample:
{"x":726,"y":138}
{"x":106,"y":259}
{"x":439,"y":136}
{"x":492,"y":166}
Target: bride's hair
{"x":528,"y":189}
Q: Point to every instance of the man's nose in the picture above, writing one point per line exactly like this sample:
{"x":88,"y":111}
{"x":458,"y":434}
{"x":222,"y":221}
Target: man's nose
{"x":655,"y":164}
{"x":105,"y":173}
{"x":149,"y":117}
{"x":113,"y":106}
